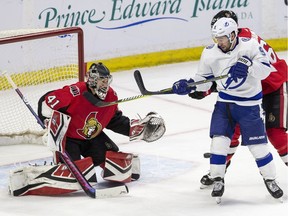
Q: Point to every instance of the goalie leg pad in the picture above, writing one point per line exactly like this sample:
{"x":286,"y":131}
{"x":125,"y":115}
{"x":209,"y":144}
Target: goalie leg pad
{"x":49,"y":179}
{"x":121,"y":167}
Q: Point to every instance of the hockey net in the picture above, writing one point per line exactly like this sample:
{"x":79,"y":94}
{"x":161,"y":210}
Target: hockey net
{"x":37,"y":60}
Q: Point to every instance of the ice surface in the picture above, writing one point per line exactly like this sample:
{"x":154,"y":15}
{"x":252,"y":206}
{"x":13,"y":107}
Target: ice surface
{"x":171,"y":167}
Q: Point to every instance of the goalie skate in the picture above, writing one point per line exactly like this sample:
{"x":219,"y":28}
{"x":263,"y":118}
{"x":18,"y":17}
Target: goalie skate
{"x":273,"y":189}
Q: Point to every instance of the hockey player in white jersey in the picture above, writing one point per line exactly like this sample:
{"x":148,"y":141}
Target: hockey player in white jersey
{"x":239,"y":101}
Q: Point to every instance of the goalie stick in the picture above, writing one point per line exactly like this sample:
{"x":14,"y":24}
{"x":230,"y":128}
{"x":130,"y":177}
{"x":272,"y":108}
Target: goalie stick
{"x":144,"y":91}
{"x":85,"y":185}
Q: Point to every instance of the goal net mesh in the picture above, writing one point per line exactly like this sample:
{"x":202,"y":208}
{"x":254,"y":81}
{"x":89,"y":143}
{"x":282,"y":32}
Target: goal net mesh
{"x":38,"y":61}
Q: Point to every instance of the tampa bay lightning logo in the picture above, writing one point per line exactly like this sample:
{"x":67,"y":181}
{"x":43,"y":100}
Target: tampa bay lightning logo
{"x":231,"y":83}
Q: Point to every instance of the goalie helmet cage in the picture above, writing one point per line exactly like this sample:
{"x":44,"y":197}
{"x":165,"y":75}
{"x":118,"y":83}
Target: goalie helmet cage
{"x":38,"y":61}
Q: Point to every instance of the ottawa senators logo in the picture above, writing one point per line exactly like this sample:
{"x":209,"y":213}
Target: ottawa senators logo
{"x":91,"y":128}
{"x":271,"y":117}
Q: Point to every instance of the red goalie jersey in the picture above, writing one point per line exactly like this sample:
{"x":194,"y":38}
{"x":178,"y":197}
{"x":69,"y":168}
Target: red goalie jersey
{"x":87,"y":120}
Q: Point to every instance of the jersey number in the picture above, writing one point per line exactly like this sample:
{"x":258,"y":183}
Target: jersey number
{"x":52,"y":101}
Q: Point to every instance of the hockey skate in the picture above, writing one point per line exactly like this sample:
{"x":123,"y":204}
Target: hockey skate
{"x":218,"y":189}
{"x":273,"y":188}
{"x":206,"y":181}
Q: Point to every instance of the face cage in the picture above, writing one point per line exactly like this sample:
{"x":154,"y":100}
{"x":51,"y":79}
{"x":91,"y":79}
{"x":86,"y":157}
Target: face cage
{"x":100,"y":84}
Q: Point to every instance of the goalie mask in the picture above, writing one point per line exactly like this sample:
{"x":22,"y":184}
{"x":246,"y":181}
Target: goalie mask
{"x":99,"y":79}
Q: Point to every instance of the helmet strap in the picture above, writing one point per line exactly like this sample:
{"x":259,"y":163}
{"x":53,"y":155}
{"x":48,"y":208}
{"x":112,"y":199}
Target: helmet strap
{"x":232,"y":41}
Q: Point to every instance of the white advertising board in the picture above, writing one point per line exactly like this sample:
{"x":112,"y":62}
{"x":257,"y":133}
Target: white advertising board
{"x":115,"y":28}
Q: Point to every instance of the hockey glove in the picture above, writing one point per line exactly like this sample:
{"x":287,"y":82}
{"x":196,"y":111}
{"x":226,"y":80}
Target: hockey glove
{"x":240,"y":69}
{"x":149,"y":129}
{"x":200,"y":95}
{"x":181,"y":87}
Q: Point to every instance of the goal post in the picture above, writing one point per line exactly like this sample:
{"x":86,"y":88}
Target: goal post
{"x":38,"y":61}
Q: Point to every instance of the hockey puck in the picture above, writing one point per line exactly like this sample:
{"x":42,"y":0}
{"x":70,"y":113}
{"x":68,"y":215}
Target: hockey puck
{"x":207,"y":155}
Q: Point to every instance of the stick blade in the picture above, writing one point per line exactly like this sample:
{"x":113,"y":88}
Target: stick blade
{"x":144,"y":91}
{"x":140,"y":83}
{"x":111,"y":189}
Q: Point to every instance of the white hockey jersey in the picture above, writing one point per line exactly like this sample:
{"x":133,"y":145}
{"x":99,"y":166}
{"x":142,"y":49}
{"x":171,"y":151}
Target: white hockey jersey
{"x":247,"y":91}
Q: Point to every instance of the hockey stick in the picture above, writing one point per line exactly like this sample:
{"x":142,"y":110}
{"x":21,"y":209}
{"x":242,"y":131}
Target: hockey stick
{"x":207,"y":155}
{"x":137,"y":75}
{"x":99,"y":103}
{"x":144,"y":91}
{"x":85,"y":185}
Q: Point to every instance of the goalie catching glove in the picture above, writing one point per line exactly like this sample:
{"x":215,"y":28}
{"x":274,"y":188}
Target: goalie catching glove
{"x":149,"y":129}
